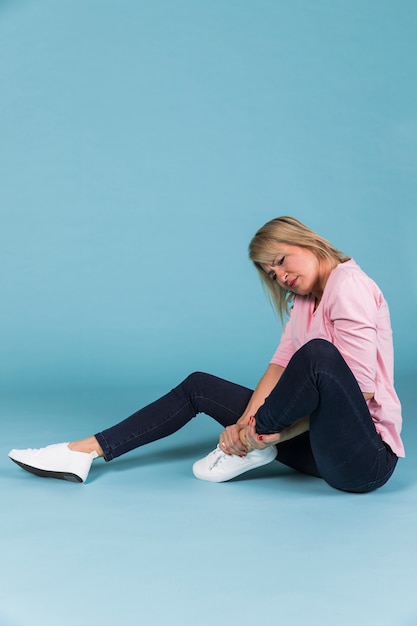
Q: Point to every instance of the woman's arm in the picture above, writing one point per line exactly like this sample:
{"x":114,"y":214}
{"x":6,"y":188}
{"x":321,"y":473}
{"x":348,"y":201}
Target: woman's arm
{"x":266,"y":384}
{"x":253,"y":440}
{"x":230,"y":441}
{"x":354,"y":308}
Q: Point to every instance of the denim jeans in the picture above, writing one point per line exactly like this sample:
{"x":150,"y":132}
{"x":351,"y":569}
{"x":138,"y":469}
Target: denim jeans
{"x":342,"y":445}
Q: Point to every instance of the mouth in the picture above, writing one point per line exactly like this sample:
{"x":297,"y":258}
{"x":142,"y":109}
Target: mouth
{"x":292,"y":283}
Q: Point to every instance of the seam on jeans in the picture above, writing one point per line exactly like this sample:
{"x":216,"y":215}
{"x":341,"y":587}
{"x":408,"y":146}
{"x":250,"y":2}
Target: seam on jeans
{"x":148,"y":430}
{"x":104,"y":444}
{"x":223,"y":406}
{"x":289,"y":407}
{"x":354,"y":410}
{"x":373,"y":484}
{"x":167,"y":419}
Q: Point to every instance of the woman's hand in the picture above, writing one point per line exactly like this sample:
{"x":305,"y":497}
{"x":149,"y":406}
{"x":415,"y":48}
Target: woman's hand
{"x":233,"y":440}
{"x":263,"y":441}
{"x":230,"y":441}
{"x":260,"y":442}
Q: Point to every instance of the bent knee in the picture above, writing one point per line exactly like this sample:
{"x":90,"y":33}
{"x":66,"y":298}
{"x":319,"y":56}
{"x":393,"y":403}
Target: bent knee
{"x":322,"y":348}
{"x":195,"y":380}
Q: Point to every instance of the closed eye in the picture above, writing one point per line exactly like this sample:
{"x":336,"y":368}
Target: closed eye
{"x":272,"y":275}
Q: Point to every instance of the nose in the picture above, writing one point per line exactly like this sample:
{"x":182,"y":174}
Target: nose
{"x":281,"y":275}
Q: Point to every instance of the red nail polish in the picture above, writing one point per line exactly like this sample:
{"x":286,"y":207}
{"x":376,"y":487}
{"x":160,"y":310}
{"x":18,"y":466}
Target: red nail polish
{"x":260,"y":437}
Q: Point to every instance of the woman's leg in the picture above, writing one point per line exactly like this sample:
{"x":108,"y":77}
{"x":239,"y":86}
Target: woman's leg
{"x":223,"y":400}
{"x":199,"y":393}
{"x":348,"y":452}
{"x":297,"y":454}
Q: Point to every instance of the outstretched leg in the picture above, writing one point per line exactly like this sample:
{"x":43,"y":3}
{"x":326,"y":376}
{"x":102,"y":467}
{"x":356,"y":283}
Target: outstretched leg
{"x":198,"y":393}
{"x":222,"y":400}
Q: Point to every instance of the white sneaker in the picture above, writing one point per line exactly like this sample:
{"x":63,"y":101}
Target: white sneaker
{"x":55,"y":461}
{"x":219,"y":467}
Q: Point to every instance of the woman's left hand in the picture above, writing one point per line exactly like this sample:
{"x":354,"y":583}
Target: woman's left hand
{"x":260,"y":442}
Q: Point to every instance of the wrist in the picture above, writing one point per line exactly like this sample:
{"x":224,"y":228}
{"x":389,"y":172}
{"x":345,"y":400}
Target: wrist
{"x":243,"y":440}
{"x":243,"y":421}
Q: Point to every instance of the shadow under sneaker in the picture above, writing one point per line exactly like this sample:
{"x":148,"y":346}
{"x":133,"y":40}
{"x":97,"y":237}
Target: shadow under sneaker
{"x":219,"y":467}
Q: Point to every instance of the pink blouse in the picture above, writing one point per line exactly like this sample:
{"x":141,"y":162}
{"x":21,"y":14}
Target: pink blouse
{"x":354,"y":316}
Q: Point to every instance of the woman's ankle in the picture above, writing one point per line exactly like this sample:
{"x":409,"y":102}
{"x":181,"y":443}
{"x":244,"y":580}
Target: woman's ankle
{"x":242,"y":437}
{"x":88,"y":445}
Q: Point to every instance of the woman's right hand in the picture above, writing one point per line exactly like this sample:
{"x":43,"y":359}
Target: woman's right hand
{"x":230,"y":442}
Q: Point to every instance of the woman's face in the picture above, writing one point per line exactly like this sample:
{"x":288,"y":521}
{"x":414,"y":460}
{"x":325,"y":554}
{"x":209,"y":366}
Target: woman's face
{"x":298,"y":270}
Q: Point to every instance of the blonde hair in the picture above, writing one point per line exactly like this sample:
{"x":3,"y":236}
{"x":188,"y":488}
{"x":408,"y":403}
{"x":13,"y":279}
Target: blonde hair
{"x":287,"y":230}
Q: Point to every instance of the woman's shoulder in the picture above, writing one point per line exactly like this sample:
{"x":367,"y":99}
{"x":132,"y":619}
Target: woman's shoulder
{"x":350,"y":272}
{"x":350,"y":283}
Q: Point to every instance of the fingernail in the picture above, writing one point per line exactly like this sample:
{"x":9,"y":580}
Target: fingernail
{"x":260,"y":437}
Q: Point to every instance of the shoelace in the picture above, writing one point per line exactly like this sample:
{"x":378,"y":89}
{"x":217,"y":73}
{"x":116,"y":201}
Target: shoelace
{"x":217,"y":457}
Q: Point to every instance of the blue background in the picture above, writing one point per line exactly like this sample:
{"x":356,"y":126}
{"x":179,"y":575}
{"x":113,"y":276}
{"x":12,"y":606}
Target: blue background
{"x":142,"y":145}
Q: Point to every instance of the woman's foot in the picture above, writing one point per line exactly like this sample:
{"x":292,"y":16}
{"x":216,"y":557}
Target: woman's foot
{"x":55,"y":461}
{"x":88,"y":445}
{"x":218,"y":467}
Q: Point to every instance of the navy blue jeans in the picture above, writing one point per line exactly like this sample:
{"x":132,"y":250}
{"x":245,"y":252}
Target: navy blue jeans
{"x":342,"y":445}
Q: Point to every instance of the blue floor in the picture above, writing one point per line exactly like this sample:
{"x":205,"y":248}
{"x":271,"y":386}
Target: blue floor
{"x":142,"y":144}
{"x":143,"y":541}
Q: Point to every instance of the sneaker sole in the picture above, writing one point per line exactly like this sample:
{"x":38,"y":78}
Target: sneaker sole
{"x":73,"y":478}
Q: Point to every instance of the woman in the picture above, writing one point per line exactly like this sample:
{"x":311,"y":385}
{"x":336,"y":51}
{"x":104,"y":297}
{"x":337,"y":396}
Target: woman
{"x":326,"y":405}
